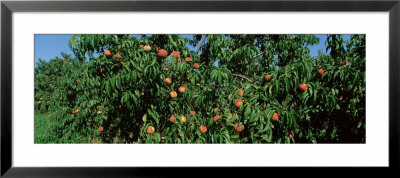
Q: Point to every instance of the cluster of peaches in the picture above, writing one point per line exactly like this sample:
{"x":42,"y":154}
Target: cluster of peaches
{"x":173,"y":94}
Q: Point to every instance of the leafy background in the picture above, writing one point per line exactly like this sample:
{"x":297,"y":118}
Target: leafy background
{"x":125,"y":96}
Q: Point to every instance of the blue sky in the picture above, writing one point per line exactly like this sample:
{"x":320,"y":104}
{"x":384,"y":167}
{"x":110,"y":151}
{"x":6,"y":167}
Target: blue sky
{"x":49,"y":46}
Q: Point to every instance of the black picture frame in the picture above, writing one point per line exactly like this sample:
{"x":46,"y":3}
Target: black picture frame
{"x":8,"y":7}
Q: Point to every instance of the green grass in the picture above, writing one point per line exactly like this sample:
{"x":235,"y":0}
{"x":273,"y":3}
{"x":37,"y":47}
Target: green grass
{"x":43,"y":132}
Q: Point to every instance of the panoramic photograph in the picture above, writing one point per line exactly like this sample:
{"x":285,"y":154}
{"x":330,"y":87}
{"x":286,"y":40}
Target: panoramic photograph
{"x":200,"y":88}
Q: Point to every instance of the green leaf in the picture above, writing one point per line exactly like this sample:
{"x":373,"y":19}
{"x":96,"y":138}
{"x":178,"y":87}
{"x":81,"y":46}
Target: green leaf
{"x":277,"y":87}
{"x":157,"y":137}
{"x":287,"y":140}
{"x":154,"y":116}
{"x":247,"y":110}
{"x":355,"y":78}
{"x":144,"y":118}
{"x":359,"y":125}
{"x":118,"y":83}
{"x":234,"y":136}
{"x":287,"y":85}
{"x":112,"y":83}
{"x":108,"y":89}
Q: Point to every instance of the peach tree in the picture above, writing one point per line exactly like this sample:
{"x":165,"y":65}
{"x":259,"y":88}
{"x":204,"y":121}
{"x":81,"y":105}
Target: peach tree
{"x":232,"y":89}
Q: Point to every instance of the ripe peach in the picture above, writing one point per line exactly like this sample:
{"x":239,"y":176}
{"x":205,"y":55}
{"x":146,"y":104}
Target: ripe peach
{"x":267,"y":77}
{"x":321,"y":72}
{"x":162,"y":53}
{"x":303,"y":87}
{"x":172,"y":118}
{"x":188,"y":59}
{"x":117,"y":56}
{"x":240,"y":92}
{"x":203,"y":129}
{"x":101,"y":128}
{"x":238,"y":128}
{"x":216,"y":118}
{"x":107,"y":53}
{"x":182,"y":89}
{"x":147,"y":48}
{"x":183,"y":119}
{"x":173,"y":94}
{"x":168,"y":80}
{"x":75,"y":111}
{"x":238,"y":103}
{"x":150,"y":129}
{"x":195,"y":65}
{"x":175,"y":54}
{"x":275,"y":117}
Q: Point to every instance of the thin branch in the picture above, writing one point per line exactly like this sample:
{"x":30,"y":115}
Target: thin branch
{"x":201,"y":43}
{"x":242,"y":76}
{"x":258,"y":55}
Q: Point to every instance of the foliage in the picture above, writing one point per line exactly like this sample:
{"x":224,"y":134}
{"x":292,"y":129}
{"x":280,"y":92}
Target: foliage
{"x":126,"y":95}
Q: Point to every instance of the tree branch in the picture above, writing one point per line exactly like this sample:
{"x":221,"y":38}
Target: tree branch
{"x":258,"y":55}
{"x":201,"y":43}
{"x":243,"y":76}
